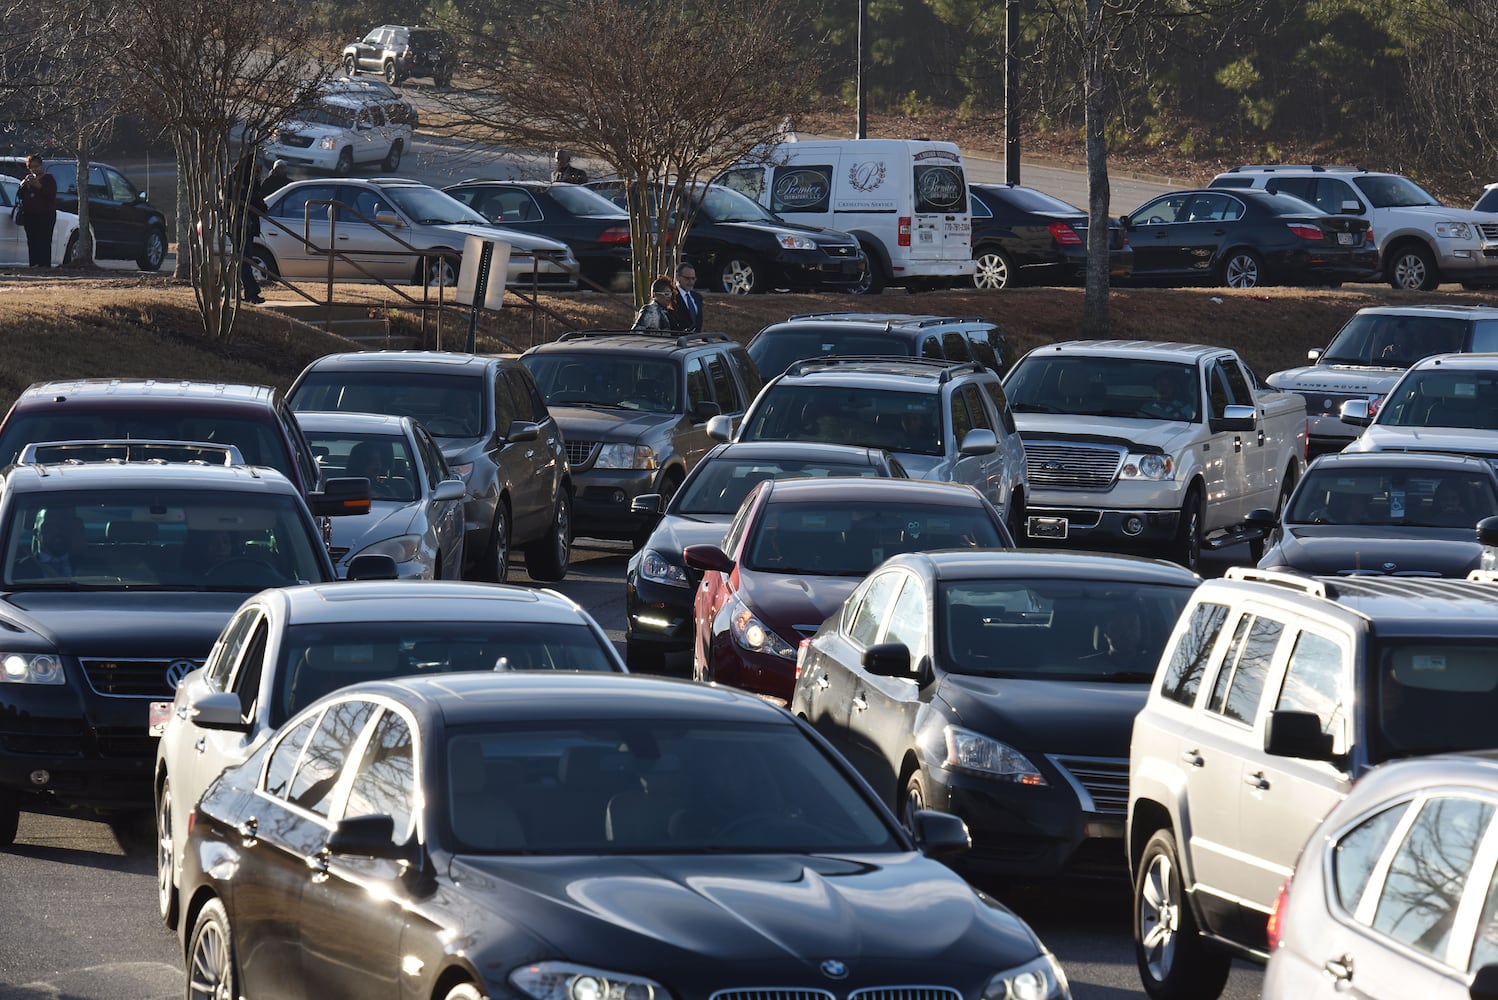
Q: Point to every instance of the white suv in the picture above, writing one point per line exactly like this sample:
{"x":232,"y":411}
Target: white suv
{"x":339,"y":133}
{"x":1421,"y":242}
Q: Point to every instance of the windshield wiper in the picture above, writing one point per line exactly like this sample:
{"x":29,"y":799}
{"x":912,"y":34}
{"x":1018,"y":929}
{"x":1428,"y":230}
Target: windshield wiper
{"x":1032,"y":407}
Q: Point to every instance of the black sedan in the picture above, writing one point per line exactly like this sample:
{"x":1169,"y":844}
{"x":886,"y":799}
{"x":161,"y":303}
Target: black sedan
{"x":739,"y":246}
{"x":1001,"y":687}
{"x":1384,"y":512}
{"x":1245,"y":238}
{"x":658,"y":584}
{"x":595,"y":228}
{"x":126,"y":226}
{"x":1024,"y":235}
{"x":568,"y":838}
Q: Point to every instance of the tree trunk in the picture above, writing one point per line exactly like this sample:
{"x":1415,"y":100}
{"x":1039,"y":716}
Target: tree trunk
{"x":1095,"y":322}
{"x":83,"y":249}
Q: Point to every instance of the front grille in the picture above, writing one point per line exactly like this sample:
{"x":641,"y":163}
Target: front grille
{"x":850,"y":251}
{"x":580,"y":453}
{"x":1327,"y":403}
{"x":1103,"y":780}
{"x":133,"y":743}
{"x":131,"y":678}
{"x":771,"y":993}
{"x":1072,"y":467}
{"x":1489,"y":231}
{"x":905,"y":993}
{"x":294,"y":140}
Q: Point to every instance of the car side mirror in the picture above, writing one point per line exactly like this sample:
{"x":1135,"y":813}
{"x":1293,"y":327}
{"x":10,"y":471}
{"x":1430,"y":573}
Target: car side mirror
{"x":449,"y":489}
{"x":220,"y":711}
{"x":979,"y":441}
{"x":341,"y":497}
{"x":522,"y":430}
{"x":1235,"y":417}
{"x":1314,"y":354}
{"x":708,"y":558}
{"x":720,"y":427}
{"x":939,"y":834}
{"x":705,"y":410}
{"x":1485,"y":983}
{"x":372,"y":567}
{"x":1355,"y":412}
{"x":1126,"y":222}
{"x":140,"y":196}
{"x":1487,"y":530}
{"x":887,"y":659}
{"x":648,"y":504}
{"x":366,"y":837}
{"x":387,"y":219}
{"x":1297,"y":734}
{"x":1262,"y":517}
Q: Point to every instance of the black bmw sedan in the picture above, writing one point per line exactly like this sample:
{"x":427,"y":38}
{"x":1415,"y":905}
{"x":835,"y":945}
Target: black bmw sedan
{"x":1023,"y":235}
{"x":1244,"y":238}
{"x":568,"y":838}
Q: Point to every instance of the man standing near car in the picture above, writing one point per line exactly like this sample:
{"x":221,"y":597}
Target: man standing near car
{"x":39,"y":203}
{"x":686,"y":304}
{"x":275,"y":180}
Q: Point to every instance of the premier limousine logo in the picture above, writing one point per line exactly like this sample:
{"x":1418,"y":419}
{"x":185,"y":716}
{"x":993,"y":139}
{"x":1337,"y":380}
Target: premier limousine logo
{"x":802,"y":190}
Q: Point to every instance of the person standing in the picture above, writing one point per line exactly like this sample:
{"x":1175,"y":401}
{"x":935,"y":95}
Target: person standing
{"x":655,"y":315}
{"x":686,"y":303}
{"x":275,"y":180}
{"x":39,"y":207}
{"x":563,"y":171}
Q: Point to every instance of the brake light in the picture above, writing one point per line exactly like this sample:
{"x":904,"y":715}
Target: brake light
{"x":616,"y":234}
{"x":904,"y":237}
{"x":1306,"y":231}
{"x":1064,"y":234}
{"x":1275,"y":926}
{"x":1371,"y":240}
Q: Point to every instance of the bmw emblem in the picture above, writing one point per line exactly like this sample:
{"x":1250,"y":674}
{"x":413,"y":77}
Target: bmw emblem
{"x":833,"y":969}
{"x":1390,"y":567}
{"x":178,"y":669}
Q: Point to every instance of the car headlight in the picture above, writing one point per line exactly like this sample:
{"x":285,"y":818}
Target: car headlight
{"x":31,"y":668}
{"x":1150,"y":466}
{"x":462,"y":471}
{"x":328,"y":142}
{"x":790,"y":241}
{"x":625,"y":456}
{"x":403,"y":548}
{"x":754,"y":635}
{"x":1454,"y":230}
{"x":1041,"y":979}
{"x":979,"y":754}
{"x":658,"y":569}
{"x":566,"y":981}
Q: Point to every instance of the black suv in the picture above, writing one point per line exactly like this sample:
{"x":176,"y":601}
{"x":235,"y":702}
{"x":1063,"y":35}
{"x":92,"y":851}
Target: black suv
{"x":401,"y":52}
{"x":633,"y":409}
{"x":494,"y":430}
{"x":816,"y":335}
{"x":125,"y":225}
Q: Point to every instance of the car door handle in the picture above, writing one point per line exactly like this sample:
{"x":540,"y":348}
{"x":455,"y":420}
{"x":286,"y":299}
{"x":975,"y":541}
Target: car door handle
{"x":249,"y":831}
{"x":1194,"y":758}
{"x":1237,"y":444}
{"x":318,"y":864}
{"x":860,"y":703}
{"x":1261,"y":437}
{"x":823,"y":683}
{"x":1339,"y":969}
{"x":201,"y":746}
{"x":1257,"y":780}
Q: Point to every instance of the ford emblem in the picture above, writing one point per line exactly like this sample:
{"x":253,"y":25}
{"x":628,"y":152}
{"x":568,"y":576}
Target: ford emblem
{"x":178,"y":669}
{"x":1051,"y":466}
{"x":833,"y":969}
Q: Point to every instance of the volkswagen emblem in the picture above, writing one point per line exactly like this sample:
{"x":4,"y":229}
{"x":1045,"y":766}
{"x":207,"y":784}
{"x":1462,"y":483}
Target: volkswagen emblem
{"x":833,"y":969}
{"x":178,"y":669}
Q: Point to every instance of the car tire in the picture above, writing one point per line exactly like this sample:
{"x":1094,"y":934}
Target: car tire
{"x":153,"y":251}
{"x":439,"y":271}
{"x":393,"y":158}
{"x":995,"y":270}
{"x":263,"y":263}
{"x":1175,"y":963}
{"x":1188,"y":540}
{"x":345,"y":164}
{"x":1412,"y":269}
{"x":10,"y":817}
{"x":166,"y":858}
{"x":350,"y":66}
{"x":464,"y":991}
{"x":546,"y":559}
{"x":913,"y":799}
{"x":1242,"y":268}
{"x":392,"y":74}
{"x":70,"y":252}
{"x":873,"y":280}
{"x":496,"y":567}
{"x":210,"y":955}
{"x":741,"y":275}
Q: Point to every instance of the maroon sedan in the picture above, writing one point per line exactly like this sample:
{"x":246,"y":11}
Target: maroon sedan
{"x":795,"y":551}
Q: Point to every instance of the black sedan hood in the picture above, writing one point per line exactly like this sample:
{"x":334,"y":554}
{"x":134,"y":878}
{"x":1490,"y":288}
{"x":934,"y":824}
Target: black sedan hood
{"x":123,"y":623}
{"x":751,"y":919}
{"x":676,"y":532}
{"x":1331,"y":548}
{"x":1082,"y":718}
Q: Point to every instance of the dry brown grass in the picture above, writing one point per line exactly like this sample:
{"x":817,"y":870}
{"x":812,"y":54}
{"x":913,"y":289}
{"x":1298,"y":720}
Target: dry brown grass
{"x":148,"y":326}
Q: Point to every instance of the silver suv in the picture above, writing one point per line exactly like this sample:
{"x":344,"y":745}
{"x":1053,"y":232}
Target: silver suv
{"x":1421,"y":242}
{"x":1274,"y":694}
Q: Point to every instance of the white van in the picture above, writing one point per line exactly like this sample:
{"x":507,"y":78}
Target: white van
{"x":904,"y":199}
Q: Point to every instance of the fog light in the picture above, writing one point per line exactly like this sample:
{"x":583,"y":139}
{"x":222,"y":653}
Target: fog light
{"x":617,"y":496}
{"x":1133,"y":524}
{"x":41,"y":777}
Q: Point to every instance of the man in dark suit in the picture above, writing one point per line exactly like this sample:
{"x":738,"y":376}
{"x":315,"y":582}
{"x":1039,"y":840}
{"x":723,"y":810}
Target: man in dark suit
{"x":686,"y":304}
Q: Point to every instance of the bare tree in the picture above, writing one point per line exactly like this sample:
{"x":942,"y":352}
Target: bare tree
{"x":219,"y":76}
{"x":664,"y":91}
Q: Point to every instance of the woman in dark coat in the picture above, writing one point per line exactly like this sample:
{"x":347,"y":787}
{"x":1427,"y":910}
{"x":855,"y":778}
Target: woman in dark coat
{"x":39,"y":204}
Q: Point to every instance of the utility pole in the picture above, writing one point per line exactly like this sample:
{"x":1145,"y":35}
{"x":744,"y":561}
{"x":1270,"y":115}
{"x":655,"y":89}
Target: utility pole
{"x":863,"y":102}
{"x":1011,"y":92}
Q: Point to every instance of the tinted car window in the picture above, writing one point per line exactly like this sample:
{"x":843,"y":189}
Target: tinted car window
{"x":833,"y":540}
{"x":446,"y":405}
{"x":831,"y":414}
{"x":294,"y":205}
{"x":1188,"y":662}
{"x":776,"y":352}
{"x":1429,"y":873}
{"x":724,"y":389}
{"x":383,"y":784}
{"x":317,"y":774}
{"x":721,"y":485}
{"x":258,"y":440}
{"x":1241,"y":681}
{"x":1394,"y":341}
{"x":1359,"y":851}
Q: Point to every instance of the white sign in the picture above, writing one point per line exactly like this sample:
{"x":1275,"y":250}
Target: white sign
{"x":468,"y":274}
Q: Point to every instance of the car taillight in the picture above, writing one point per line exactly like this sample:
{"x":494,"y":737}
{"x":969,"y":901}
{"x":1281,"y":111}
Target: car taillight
{"x":1064,"y":234}
{"x":1371,"y":240}
{"x":904,"y":238}
{"x":618,"y":234}
{"x":1306,"y":231}
{"x":1275,"y":926}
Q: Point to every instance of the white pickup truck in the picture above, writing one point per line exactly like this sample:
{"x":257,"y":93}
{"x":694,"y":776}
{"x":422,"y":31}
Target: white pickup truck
{"x":1156,"y":447}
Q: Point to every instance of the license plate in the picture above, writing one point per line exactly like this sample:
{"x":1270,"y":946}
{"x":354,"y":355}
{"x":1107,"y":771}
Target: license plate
{"x":1347,"y":239}
{"x":927,"y":236}
{"x":160,"y":715}
{"x":1046,"y":527}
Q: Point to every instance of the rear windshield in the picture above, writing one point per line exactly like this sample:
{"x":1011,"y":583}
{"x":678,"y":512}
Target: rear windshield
{"x":908,"y":423}
{"x":449,"y":406}
{"x":721,"y":485}
{"x":259,"y":441}
{"x":1433,"y":696}
{"x":595,"y":380}
{"x":774,"y":353}
{"x":584,"y":201}
{"x":940,"y":188}
{"x":840,"y":539}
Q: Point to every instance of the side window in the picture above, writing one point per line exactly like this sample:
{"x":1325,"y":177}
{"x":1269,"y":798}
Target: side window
{"x":1301,"y":187}
{"x":295,"y":204}
{"x":246,"y":682}
{"x":431,"y":457}
{"x":1242,"y":394}
{"x":97,"y":188}
{"x":987,"y":346}
{"x":873,"y":609}
{"x":954,"y":346}
{"x":120,"y":189}
{"x":1240,"y":683}
{"x":225,"y":652}
{"x":520,"y":395}
{"x":749,"y":375}
{"x":317,"y":775}
{"x":1485,"y":335}
{"x":284,"y":757}
{"x":724,"y":387}
{"x":1485,"y":948}
{"x":995,"y":390}
{"x":66,"y":175}
{"x":1315,"y":682}
{"x":736,"y":527}
{"x":907,"y":620}
{"x":980,"y":208}
{"x":748,"y":181}
{"x":504,"y":405}
{"x":1358,"y":853}
{"x":1217,"y":386}
{"x":1334,"y":193}
{"x":301,"y":449}
{"x":698,"y":390}
{"x":931,"y":347}
{"x":961,"y":421}
{"x":1429,"y":873}
{"x":977,"y":412}
{"x":1188,"y":662}
{"x":383,"y":783}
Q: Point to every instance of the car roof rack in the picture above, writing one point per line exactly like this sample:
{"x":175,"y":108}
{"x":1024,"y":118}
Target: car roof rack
{"x":1294,"y":581}
{"x":1320,"y":168}
{"x":888,"y":321}
{"x":946,"y":369}
{"x":683,"y":340}
{"x":130,"y":450}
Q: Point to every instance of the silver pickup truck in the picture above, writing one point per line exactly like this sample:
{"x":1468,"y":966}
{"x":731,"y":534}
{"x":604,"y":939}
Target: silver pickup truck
{"x":1155,"y":447}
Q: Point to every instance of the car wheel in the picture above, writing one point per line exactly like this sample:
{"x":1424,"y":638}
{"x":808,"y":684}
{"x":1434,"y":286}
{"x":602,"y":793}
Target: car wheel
{"x":1413,"y":269}
{"x":10,"y":817}
{"x":70,"y":253}
{"x":497,"y":568}
{"x":210,"y":956}
{"x":441,"y":271}
{"x":166,"y":858}
{"x":464,"y":991}
{"x":263,"y":263}
{"x":912,"y":800}
{"x":350,"y":66}
{"x":393,"y":158}
{"x":741,"y":276}
{"x":1188,"y":542}
{"x":995,"y":270}
{"x":345,"y":165}
{"x":546,"y":560}
{"x":153,"y":252}
{"x":872,"y":282}
{"x":392,"y":75}
{"x":1175,"y":963}
{"x":1242,"y":269}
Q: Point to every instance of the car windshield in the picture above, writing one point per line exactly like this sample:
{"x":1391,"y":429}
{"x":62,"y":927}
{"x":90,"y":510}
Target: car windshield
{"x":384,"y":459}
{"x":595,"y":379}
{"x":1423,"y":498}
{"x":318,"y":658}
{"x":774,"y":353}
{"x":838,"y":539}
{"x":1443,"y":398}
{"x":719,"y":486}
{"x":336,"y":115}
{"x":1104,"y":387}
{"x":259,"y":441}
{"x":1393,"y":191}
{"x":166,"y":539}
{"x":448,"y":406}
{"x":649,"y":786}
{"x":583,"y":201}
{"x":909,"y":423}
{"x":1383,"y":340}
{"x":724,"y":204}
{"x":1431,"y":696}
{"x":1056,"y":629}
{"x":426,"y":206}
